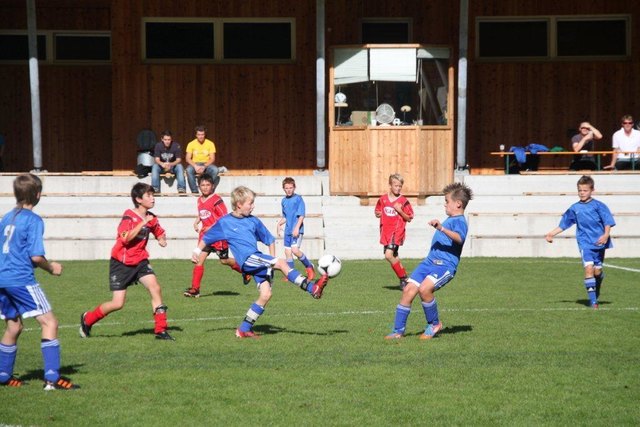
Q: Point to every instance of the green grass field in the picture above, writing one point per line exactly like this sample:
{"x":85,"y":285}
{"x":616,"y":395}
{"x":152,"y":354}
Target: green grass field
{"x":519,"y":347}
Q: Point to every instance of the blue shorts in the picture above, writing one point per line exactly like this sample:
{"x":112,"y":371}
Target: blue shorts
{"x":260,"y":266}
{"x":289,"y":241}
{"x":593,"y":257}
{"x":23,"y":301}
{"x":439,"y":275}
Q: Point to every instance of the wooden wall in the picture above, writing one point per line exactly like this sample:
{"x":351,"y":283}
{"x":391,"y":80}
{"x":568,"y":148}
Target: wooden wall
{"x":263,"y":116}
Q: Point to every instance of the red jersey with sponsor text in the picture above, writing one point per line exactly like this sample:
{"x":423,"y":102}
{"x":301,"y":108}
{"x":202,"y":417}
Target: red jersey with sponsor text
{"x":210,"y":210}
{"x":392,"y":225}
{"x":134,"y":251}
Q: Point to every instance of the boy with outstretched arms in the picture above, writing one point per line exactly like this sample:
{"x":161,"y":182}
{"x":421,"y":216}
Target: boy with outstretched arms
{"x":293,"y":212}
{"x":243,"y":231}
{"x":593,"y":221}
{"x":211,"y":208}
{"x":129,"y":264}
{"x":439,"y":267}
{"x":22,"y":249}
{"x":394,"y":211}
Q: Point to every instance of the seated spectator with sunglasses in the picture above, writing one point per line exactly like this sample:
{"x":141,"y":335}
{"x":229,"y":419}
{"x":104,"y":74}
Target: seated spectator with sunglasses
{"x":627,"y":139}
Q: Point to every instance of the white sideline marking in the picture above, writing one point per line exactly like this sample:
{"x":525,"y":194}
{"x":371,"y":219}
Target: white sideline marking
{"x":346,"y":313}
{"x":635,"y":270}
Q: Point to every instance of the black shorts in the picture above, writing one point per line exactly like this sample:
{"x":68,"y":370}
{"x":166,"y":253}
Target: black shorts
{"x":222,"y":253}
{"x":121,"y":276}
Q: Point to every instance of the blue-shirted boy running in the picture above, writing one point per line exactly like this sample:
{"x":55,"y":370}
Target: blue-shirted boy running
{"x":22,"y":248}
{"x":593,"y":222}
{"x":440,"y":265}
{"x":243,"y":231}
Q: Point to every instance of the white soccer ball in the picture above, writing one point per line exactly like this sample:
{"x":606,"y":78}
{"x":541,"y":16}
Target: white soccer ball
{"x":329,"y":265}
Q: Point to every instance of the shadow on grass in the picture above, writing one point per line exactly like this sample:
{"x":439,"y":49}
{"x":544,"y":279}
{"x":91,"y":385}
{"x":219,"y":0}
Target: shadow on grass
{"x":393,"y":287}
{"x":148,"y":331}
{"x":38,"y":374}
{"x":586,"y":302}
{"x":272,"y":330}
{"x":450,"y":330}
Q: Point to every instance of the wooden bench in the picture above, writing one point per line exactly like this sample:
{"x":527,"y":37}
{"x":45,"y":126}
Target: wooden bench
{"x":368,"y":199}
{"x":598,"y":155}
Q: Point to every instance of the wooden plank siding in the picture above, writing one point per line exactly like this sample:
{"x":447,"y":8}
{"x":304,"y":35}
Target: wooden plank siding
{"x":262,"y":117}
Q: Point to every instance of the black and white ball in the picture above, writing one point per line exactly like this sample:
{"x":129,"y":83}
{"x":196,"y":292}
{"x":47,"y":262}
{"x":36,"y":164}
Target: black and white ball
{"x":329,"y":265}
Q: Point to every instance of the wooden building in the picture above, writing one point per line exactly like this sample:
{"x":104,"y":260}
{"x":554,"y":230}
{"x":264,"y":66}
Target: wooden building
{"x":534,"y":69}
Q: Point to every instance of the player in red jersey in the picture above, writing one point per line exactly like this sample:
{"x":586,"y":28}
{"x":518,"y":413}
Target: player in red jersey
{"x":394,"y":211}
{"x":211,"y":208}
{"x":130,"y":263}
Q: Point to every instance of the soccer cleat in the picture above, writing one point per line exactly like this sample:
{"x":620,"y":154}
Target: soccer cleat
{"x":164,"y":335}
{"x":431,"y":331}
{"x":394,"y":335}
{"x":595,"y":306}
{"x":61,"y":384}
{"x":12,"y":382}
{"x":85,"y":330}
{"x":310,"y":273}
{"x":246,"y":278}
{"x":318,"y":287}
{"x":191,"y":293}
{"x":248,"y":334}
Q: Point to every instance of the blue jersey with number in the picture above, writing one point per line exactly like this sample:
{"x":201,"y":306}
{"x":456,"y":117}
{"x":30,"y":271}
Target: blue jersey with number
{"x":292,"y":208}
{"x":590,"y":218}
{"x":20,"y":239}
{"x":243,"y":235}
{"x":444,"y":251}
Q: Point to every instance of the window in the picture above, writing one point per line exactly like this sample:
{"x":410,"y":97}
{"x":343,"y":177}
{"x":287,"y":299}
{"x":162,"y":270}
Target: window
{"x":198,"y":40}
{"x":15,"y":47}
{"x":82,"y":47}
{"x":553,"y":37}
{"x":257,"y":40}
{"x":386,"y":31}
{"x":178,"y":40}
{"x":513,"y":39}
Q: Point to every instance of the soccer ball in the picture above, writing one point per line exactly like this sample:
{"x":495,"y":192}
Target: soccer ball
{"x":329,"y":265}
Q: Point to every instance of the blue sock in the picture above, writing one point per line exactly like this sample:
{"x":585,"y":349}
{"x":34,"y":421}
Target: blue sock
{"x":7,"y":361}
{"x":305,"y":261}
{"x":599,"y":280}
{"x":402,"y":314}
{"x":250,"y":318}
{"x":291,"y":263}
{"x":51,"y":356}
{"x":431,"y":312}
{"x":590,"y":285}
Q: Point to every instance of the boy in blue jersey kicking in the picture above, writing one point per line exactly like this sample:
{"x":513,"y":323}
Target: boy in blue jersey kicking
{"x":21,"y":232}
{"x":293,"y":212}
{"x":593,"y":221}
{"x":440,"y":265}
{"x":243,"y":231}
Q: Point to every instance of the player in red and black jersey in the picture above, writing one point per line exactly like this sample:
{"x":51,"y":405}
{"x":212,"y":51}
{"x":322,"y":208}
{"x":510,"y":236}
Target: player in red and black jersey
{"x":129,"y":263}
{"x":394,"y":211}
{"x":211,"y":208}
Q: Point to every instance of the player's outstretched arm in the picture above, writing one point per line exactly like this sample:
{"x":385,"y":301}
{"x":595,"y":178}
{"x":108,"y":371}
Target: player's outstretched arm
{"x":50,"y":267}
{"x":550,"y":235}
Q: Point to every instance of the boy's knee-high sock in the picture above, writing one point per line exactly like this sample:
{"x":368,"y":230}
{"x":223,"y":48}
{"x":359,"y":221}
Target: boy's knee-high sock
{"x":196,"y":279}
{"x":160,"y":319}
{"x":400,"y":322}
{"x":599,"y":278}
{"x":291,"y":263}
{"x":431,"y":312}
{"x":7,"y":361}
{"x":398,"y":268}
{"x":299,"y":280}
{"x":305,"y":261}
{"x":93,"y":316}
{"x":51,"y":356}
{"x":590,"y":286}
{"x":254,"y":312}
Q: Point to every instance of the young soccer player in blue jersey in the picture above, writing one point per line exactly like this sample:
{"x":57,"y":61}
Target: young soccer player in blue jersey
{"x":21,"y":232}
{"x":440,"y":265}
{"x":243,"y":231}
{"x":593,"y":221}
{"x":293,"y":212}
